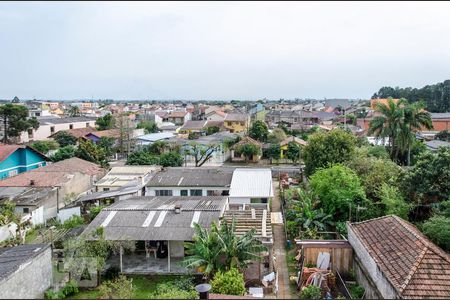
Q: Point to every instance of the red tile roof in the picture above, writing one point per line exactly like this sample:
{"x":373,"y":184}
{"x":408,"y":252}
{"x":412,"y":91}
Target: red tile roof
{"x":54,"y":174}
{"x":415,"y":266}
{"x":177,"y":114}
{"x":7,"y":150}
{"x":77,"y":132}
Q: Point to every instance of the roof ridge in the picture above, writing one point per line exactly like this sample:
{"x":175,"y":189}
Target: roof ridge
{"x":428,"y":244}
{"x":413,"y":269}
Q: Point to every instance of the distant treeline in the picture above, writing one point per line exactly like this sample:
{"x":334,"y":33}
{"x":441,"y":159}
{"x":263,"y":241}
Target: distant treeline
{"x":435,"y":96}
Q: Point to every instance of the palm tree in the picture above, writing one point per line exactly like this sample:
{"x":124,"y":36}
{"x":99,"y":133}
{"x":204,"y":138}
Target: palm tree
{"x":239,"y":250}
{"x":388,"y":124}
{"x":205,"y":251}
{"x":221,"y":247}
{"x":415,"y":118}
{"x":74,"y":111}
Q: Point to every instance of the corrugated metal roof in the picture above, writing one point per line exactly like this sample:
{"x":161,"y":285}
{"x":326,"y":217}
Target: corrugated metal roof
{"x":131,"y":219}
{"x":152,"y":137}
{"x":11,"y":258}
{"x":191,"y":177}
{"x":253,"y":183}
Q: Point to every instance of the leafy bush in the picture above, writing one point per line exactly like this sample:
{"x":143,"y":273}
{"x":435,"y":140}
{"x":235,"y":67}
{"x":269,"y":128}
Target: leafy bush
{"x":63,"y":153}
{"x":311,"y":292}
{"x":94,"y":211}
{"x":51,"y":294}
{"x":437,"y":229}
{"x":65,"y":139}
{"x":119,"y":288}
{"x":44,"y":146}
{"x":172,"y":291}
{"x":70,"y":288}
{"x":393,"y":201}
{"x":73,"y":222}
{"x":171,"y":159}
{"x":228,"y":283}
{"x":356,"y":291}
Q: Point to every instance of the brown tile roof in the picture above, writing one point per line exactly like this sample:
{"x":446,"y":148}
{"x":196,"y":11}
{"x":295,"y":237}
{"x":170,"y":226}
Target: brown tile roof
{"x":210,"y":123}
{"x":77,"y":132}
{"x":177,"y":114}
{"x":236,"y":117}
{"x":54,"y":174}
{"x":247,"y":140}
{"x":293,"y":139}
{"x":415,"y":266}
{"x":114,"y":133}
{"x":193,"y":125}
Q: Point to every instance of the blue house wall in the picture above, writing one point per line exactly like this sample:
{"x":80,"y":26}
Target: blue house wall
{"x":21,"y":160}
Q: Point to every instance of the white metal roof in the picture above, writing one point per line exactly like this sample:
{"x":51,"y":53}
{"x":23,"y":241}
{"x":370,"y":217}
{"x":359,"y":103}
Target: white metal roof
{"x":253,"y":183}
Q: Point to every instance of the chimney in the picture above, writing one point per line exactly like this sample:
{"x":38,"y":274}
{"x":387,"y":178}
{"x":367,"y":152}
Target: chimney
{"x":31,"y":182}
{"x":177,"y":208}
{"x":141,"y":180}
{"x":203,"y":290}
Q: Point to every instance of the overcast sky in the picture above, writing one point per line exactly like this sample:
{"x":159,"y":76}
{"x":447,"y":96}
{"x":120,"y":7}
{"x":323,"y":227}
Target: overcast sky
{"x":224,"y":51}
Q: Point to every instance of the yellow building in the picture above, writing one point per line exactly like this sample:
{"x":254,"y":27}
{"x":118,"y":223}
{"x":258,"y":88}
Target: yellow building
{"x":236,"y":123}
{"x":286,"y":141}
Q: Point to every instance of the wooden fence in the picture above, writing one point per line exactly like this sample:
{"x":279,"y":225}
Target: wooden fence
{"x":341,"y":253}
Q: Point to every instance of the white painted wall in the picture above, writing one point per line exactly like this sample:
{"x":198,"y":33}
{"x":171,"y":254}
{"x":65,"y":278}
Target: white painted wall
{"x":150,"y":190}
{"x":43,"y":132}
{"x":67,"y":213}
{"x":8,"y":231}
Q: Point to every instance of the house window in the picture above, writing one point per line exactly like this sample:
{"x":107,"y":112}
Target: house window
{"x":52,"y":129}
{"x":87,"y":124}
{"x":258,"y":200}
{"x":211,"y":193}
{"x":196,"y":193}
{"x":163,"y":192}
{"x":26,"y":210}
{"x":30,"y":133}
{"x":105,"y":189}
{"x":71,"y":126}
{"x":183,"y":192}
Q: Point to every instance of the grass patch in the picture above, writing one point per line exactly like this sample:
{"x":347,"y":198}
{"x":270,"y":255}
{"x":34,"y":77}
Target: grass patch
{"x":143,"y":287}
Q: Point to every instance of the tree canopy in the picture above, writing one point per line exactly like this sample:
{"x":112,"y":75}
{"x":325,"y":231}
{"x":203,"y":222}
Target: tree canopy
{"x":259,"y":131}
{"x":65,"y":139}
{"x":148,"y":126}
{"x":338,"y":188}
{"x":326,"y":148}
{"x":435,"y":96}
{"x":104,"y":123}
{"x":15,"y":120}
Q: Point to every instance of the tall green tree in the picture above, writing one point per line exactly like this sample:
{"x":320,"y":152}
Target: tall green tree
{"x":389,"y":123}
{"x":65,"y":139}
{"x":339,"y":190}
{"x":249,"y":150}
{"x":259,"y":131}
{"x":89,"y":151}
{"x":273,"y":152}
{"x":63,"y":153}
{"x":148,"y":126}
{"x":293,"y":152}
{"x":104,"y":123}
{"x":327,"y":148}
{"x":74,"y":111}
{"x":276,"y":136}
{"x":15,"y":120}
{"x":415,"y":118}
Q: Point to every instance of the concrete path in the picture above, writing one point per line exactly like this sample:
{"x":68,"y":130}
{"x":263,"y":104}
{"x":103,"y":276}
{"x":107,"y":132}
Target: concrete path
{"x":280,"y":249}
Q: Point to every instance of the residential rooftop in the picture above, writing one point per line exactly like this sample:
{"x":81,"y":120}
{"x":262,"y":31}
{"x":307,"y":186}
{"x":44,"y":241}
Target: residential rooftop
{"x":156,"y":218}
{"x":190,"y":177}
{"x":414,"y":266}
{"x":12,"y":258}
{"x":252,"y":183}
